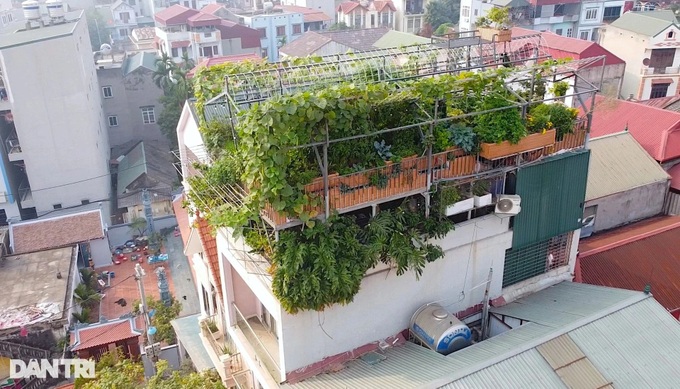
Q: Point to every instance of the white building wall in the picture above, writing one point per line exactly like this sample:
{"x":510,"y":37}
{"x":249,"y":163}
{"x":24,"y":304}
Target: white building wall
{"x":325,"y":6}
{"x":56,"y":104}
{"x":630,"y":47}
{"x":270,"y":22}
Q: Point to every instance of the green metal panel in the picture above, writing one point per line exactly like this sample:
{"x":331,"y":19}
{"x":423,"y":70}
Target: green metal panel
{"x":553,"y":193}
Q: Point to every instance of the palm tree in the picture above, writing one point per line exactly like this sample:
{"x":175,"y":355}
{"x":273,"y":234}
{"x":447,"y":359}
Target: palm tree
{"x":163,"y":75}
{"x":83,"y":316}
{"x":187,"y":63}
{"x":85,"y":296}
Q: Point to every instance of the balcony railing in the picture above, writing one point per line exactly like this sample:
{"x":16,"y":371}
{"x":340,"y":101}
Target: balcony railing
{"x":231,"y":363}
{"x":25,"y":193}
{"x":13,"y":146}
{"x":413,"y":175}
{"x":258,"y":335}
{"x":651,"y":71}
{"x":556,"y":19}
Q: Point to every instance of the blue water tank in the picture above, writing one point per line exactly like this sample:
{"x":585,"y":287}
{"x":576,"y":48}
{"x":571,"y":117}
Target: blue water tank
{"x":439,"y":330}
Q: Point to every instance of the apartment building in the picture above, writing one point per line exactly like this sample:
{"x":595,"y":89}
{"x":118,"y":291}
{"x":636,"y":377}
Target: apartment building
{"x":648,"y":42}
{"x":202,"y":34}
{"x":597,"y":14}
{"x":367,"y":15}
{"x":507,"y":253}
{"x":327,"y":7}
{"x":410,"y":15}
{"x":55,"y":145}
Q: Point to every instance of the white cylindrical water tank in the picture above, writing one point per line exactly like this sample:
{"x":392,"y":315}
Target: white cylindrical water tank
{"x":439,"y":330}
{"x":55,"y":8}
{"x":31,"y":9}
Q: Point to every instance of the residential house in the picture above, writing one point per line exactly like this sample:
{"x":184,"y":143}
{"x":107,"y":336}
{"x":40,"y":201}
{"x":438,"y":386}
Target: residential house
{"x":367,"y":15}
{"x":315,"y":19}
{"x":276,"y":27}
{"x":36,"y":307}
{"x":8,"y":14}
{"x":410,"y":15}
{"x":124,"y":20}
{"x":635,"y":257}
{"x":324,"y":7}
{"x":549,"y":339}
{"x":340,"y":42}
{"x":648,"y":42}
{"x":143,"y":38}
{"x":596,"y":14}
{"x":607,"y":73}
{"x":93,"y":340}
{"x":85,"y":229}
{"x":202,"y":35}
{"x":156,"y":6}
{"x":657,"y":130}
{"x":46,"y":151}
{"x":625,"y":184}
{"x":145,"y":167}
{"x":510,"y":256}
{"x":560,"y":16}
{"x":130,"y":98}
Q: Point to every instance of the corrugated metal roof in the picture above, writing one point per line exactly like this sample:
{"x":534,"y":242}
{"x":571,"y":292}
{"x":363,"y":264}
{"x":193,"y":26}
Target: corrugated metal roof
{"x":662,"y":102}
{"x":636,"y":347}
{"x":654,"y":260}
{"x":582,"y":374}
{"x":626,"y":234}
{"x":657,"y":130}
{"x":571,"y":364}
{"x":648,"y":23}
{"x":674,"y":172}
{"x":617,"y":164}
{"x":395,"y":38}
{"x":216,"y":112}
{"x":560,"y":352}
{"x":552,"y":195}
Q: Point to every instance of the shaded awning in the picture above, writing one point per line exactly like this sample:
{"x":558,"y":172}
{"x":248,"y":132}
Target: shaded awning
{"x":194,"y":244}
{"x":188,"y":334}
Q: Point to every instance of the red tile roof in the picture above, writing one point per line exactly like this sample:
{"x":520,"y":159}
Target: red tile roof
{"x":224,"y":59}
{"x":177,"y":44}
{"x":348,"y":7}
{"x":310,"y":15}
{"x":564,"y":47}
{"x":661,"y":102}
{"x":203,"y":19}
{"x":182,"y":216}
{"x":212,"y":8}
{"x":62,"y":231}
{"x":205,"y":231}
{"x":657,"y":130}
{"x":674,"y":172}
{"x":174,"y":15}
{"x":380,"y":5}
{"x":101,"y":334}
{"x":653,"y":259}
{"x":250,"y":37}
{"x":626,"y":234}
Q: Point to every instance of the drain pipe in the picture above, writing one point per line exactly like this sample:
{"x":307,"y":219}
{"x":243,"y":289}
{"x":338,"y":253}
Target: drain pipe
{"x":485,"y":309}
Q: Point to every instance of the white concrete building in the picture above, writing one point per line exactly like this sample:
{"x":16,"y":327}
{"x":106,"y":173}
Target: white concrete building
{"x":372,"y":15}
{"x":325,"y":6}
{"x":648,"y":42}
{"x":56,"y":148}
{"x":596,"y":15}
{"x":410,"y":15}
{"x":277,"y":28}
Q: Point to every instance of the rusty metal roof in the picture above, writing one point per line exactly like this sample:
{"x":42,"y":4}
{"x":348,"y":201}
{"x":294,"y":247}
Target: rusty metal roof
{"x":653,"y":260}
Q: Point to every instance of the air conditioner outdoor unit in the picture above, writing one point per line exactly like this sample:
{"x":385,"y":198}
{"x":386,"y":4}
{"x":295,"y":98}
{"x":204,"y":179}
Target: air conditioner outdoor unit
{"x":508,"y":205}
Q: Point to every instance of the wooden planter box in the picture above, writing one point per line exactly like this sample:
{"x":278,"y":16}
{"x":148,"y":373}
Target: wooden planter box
{"x":493,"y":151}
{"x":488,"y":34}
{"x":317,"y":184}
{"x":408,"y":162}
{"x":460,"y":207}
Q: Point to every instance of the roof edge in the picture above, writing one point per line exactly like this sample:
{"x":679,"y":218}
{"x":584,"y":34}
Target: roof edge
{"x":629,"y":240}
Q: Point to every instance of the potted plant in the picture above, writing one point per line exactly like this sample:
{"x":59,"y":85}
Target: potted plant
{"x":480,"y":193}
{"x":454,"y":202}
{"x":495,"y":26}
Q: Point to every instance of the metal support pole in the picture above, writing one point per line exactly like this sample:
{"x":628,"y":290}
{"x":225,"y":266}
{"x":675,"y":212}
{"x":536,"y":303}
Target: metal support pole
{"x":326,"y":193}
{"x":150,"y":350}
{"x":430,"y":136}
{"x":485,"y":309}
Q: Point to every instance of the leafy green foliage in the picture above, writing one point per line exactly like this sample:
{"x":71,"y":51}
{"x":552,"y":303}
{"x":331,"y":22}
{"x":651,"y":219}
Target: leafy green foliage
{"x":439,"y":12}
{"x":557,"y":115}
{"x":559,"y":88}
{"x":443,"y":29}
{"x":138,"y":226}
{"x":383,"y":150}
{"x":463,"y":137}
{"x":116,"y":372}
{"x":496,"y":17}
{"x":497,"y":126}
{"x":338,"y":27}
{"x":216,"y":136}
{"x":162,"y":317}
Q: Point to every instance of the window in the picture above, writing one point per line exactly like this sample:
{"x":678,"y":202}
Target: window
{"x":123,"y":32}
{"x":385,"y":16}
{"x":670,"y":35}
{"x":124,"y":16}
{"x":409,"y":25}
{"x":281,"y":31}
{"x":263,"y":32}
{"x":584,"y":35}
{"x":465,"y":11}
{"x":174,"y":52}
{"x":4,"y":19}
{"x":570,"y":32}
{"x":611,"y":13}
{"x":148,"y":115}
{"x":591,"y":13}
{"x":9,"y":17}
{"x":113,"y":121}
{"x":209,"y":51}
{"x":659,"y":90}
{"x":264,"y":53}
{"x":372,"y":21}
{"x":558,"y":31}
{"x":416,"y":25}
{"x":357,"y":19}
{"x":297,"y":29}
{"x":84,"y":202}
{"x":107,"y":92}
{"x":476,"y":12}
{"x":56,"y":206}
{"x":207,"y":34}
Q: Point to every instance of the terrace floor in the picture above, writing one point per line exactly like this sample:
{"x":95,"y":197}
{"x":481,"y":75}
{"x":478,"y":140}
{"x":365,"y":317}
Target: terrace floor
{"x":267,"y":339}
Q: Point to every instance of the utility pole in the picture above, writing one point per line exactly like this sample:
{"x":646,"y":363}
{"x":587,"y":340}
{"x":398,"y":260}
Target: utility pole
{"x":152,"y":349}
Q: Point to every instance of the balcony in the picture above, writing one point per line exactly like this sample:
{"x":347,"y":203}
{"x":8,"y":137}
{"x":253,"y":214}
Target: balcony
{"x":264,"y":343}
{"x":223,"y":352}
{"x":206,"y":37}
{"x":650,"y":71}
{"x":556,"y":19}
{"x":25,"y":195}
{"x":13,"y":148}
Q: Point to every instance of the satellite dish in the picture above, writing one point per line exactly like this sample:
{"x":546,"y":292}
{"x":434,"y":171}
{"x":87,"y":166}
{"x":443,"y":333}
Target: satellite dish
{"x":105,"y":48}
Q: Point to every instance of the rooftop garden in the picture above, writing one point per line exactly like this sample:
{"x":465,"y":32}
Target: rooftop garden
{"x":304,"y":160}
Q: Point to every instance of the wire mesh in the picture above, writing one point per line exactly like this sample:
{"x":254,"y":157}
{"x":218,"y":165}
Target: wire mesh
{"x":537,"y":258}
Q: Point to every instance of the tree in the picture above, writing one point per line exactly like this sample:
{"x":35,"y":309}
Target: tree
{"x":164,"y":76}
{"x":96,"y":26}
{"x":138,"y":225}
{"x":116,"y":372}
{"x":85,"y":296}
{"x":162,"y":316}
{"x":338,"y":27}
{"x":187,"y":63}
{"x":169,"y":117}
{"x":438,"y":12}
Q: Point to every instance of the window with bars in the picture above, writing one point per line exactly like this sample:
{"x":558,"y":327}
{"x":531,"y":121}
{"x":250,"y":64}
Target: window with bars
{"x":536,"y":258}
{"x":148,"y":115}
